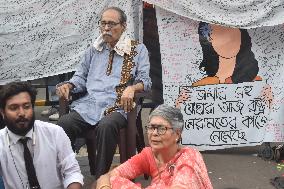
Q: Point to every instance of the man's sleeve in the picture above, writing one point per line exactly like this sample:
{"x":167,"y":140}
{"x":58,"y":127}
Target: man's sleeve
{"x":79,"y":78}
{"x":68,"y":165}
{"x":143,"y":68}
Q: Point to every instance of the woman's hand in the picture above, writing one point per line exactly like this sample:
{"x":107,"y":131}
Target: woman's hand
{"x":103,"y":182}
{"x":183,"y":96}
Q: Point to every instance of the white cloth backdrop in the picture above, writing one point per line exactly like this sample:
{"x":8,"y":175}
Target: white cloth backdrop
{"x":230,"y":115}
{"x":237,"y":13}
{"x":40,"y":38}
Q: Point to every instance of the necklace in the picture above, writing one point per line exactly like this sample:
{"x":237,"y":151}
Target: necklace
{"x":157,"y":165}
{"x":18,"y":173}
{"x":170,"y":166}
{"x":14,"y":162}
{"x":227,"y":57}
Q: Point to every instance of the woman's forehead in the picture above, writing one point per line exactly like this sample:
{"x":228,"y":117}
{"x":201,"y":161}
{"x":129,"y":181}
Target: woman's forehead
{"x":158,"y":119}
{"x":222,"y":30}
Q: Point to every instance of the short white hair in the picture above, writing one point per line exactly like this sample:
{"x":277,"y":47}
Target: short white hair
{"x":171,"y":114}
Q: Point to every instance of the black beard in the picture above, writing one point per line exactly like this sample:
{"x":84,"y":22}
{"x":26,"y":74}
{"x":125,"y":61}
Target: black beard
{"x":11,"y":125}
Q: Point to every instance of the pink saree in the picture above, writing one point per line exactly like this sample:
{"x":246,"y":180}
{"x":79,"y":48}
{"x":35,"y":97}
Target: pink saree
{"x":185,"y":170}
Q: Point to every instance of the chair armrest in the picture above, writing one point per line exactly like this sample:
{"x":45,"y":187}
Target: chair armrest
{"x":63,"y":106}
{"x":143,"y":94}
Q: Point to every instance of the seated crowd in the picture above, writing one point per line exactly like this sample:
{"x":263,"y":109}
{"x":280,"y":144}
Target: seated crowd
{"x":169,"y":164}
{"x":36,"y":154}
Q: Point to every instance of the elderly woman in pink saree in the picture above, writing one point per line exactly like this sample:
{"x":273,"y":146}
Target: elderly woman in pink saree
{"x":170,"y":165}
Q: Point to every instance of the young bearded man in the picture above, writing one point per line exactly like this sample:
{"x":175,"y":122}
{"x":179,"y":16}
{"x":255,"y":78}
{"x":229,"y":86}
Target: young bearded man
{"x":33,"y":154}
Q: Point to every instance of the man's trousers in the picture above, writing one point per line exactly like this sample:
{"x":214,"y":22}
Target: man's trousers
{"x":107,"y":132}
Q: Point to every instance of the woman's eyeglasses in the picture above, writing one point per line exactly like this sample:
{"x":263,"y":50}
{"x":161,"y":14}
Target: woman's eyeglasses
{"x":161,"y":130}
{"x":110,"y":24}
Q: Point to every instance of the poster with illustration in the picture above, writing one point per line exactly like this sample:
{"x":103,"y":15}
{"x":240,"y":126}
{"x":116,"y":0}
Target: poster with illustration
{"x":227,"y":81}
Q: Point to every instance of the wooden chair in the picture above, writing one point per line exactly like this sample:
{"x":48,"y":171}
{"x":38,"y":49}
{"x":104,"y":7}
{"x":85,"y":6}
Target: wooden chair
{"x":127,"y":139}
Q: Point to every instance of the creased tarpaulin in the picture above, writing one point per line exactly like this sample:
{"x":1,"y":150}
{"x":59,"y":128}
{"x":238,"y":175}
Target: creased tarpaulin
{"x":237,"y":13}
{"x":47,"y":37}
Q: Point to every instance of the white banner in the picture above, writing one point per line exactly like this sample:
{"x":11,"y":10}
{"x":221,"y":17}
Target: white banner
{"x":44,"y":38}
{"x":236,"y":13}
{"x":228,"y":82}
{"x":225,"y":115}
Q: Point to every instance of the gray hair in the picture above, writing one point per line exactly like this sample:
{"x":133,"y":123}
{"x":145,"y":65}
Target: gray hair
{"x":123,"y":17}
{"x":171,"y":114}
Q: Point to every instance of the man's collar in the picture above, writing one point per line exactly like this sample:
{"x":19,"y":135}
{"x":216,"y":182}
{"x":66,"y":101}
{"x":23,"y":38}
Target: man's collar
{"x":15,"y":138}
{"x":122,"y":46}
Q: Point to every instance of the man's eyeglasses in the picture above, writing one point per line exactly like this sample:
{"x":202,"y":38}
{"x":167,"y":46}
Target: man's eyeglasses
{"x":161,"y":130}
{"x":110,"y":24}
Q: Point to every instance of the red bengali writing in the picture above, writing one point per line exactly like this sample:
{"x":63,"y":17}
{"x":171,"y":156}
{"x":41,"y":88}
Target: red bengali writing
{"x":277,"y":129}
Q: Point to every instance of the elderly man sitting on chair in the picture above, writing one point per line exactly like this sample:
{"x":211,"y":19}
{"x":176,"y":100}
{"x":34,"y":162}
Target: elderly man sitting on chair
{"x":111,"y":72}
